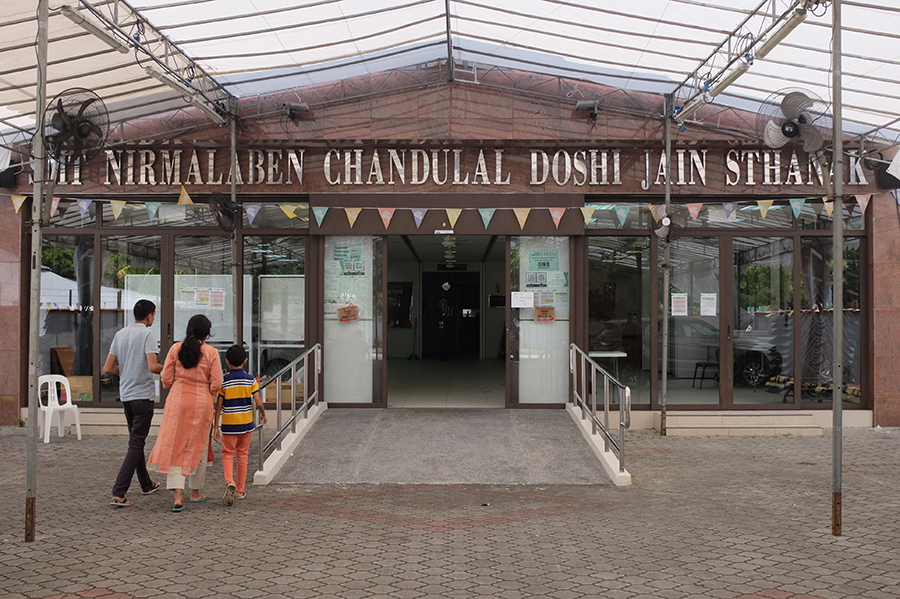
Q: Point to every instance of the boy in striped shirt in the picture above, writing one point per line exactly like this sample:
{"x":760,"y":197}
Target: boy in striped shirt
{"x":235,"y":406}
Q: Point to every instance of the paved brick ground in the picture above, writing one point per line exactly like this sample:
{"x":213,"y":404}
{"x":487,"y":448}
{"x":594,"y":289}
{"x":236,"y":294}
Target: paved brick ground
{"x":725,"y":518}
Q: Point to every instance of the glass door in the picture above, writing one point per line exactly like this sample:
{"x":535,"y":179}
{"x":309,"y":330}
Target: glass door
{"x":694,"y":375}
{"x":539,"y":320}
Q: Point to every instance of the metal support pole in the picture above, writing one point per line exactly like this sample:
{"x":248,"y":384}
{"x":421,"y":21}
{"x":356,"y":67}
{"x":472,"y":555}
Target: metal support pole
{"x":34,"y":304}
{"x":665,"y":324}
{"x":838,"y":258}
{"x":237,"y":278}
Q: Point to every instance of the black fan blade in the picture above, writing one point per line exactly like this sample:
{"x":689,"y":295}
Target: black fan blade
{"x":60,"y":137}
{"x":84,"y":106}
{"x":62,"y":113}
{"x":78,"y":147}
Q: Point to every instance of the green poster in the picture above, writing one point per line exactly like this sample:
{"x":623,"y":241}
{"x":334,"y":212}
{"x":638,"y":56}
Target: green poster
{"x":543,"y":260}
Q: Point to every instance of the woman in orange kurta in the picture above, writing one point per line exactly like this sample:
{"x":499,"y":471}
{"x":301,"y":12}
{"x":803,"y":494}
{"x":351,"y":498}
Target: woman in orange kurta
{"x":194,"y":373}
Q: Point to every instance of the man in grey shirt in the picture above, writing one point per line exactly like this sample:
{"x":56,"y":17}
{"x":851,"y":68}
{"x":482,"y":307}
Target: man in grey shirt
{"x":134,"y":347}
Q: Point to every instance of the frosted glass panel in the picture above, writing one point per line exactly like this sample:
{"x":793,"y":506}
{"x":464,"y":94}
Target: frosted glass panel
{"x":540,"y":268}
{"x":352,"y":268}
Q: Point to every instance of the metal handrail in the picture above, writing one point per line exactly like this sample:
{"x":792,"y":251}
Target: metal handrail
{"x":579,"y":362}
{"x":308,"y":398}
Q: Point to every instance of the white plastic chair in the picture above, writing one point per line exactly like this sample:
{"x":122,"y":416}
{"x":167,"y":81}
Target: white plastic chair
{"x":54,"y":407}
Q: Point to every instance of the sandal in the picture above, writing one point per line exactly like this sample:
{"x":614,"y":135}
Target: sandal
{"x":124,"y":503}
{"x":178,"y":508}
{"x":155,"y":488}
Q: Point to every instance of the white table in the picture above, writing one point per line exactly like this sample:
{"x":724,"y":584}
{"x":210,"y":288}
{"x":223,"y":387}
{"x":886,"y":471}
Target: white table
{"x":615,"y":355}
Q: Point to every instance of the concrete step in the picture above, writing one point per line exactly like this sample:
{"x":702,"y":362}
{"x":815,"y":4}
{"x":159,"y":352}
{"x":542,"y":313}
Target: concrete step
{"x":739,"y":423}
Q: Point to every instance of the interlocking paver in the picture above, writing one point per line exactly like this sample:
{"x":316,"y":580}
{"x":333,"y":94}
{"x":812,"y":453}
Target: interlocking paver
{"x":723,"y":518}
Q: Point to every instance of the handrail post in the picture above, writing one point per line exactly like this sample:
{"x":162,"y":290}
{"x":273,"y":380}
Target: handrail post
{"x":305,"y":384}
{"x":606,"y":412}
{"x":623,"y":393}
{"x":593,"y":400}
{"x":259,"y":437}
{"x":584,"y":389}
{"x":293,"y":398}
{"x":278,"y":409}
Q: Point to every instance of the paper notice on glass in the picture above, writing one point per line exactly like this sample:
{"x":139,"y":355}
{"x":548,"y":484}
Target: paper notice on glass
{"x":217,"y":298}
{"x":522,"y":299}
{"x":707,"y":304}
{"x":679,"y":304}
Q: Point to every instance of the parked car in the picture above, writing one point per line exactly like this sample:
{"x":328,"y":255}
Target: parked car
{"x":694,"y":340}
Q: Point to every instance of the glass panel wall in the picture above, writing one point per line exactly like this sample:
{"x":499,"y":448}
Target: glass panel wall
{"x":129,"y":272}
{"x":763,"y":319}
{"x":619,"y":310}
{"x":817,"y":323}
{"x":693,"y":361}
{"x":540,"y":269}
{"x":67,"y":311}
{"x":353,"y":343}
{"x":275,"y":268}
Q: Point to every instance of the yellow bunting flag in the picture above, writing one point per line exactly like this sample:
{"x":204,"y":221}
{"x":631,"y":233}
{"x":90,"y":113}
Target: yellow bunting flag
{"x":829,"y":207}
{"x":352,"y":214}
{"x":184,"y":198}
{"x":386,"y":215}
{"x":17,"y":202}
{"x":556,"y":214}
{"x":764,"y":206}
{"x":588,"y":212}
{"x":522,"y":215}
{"x":290,"y":210}
{"x":117,"y":206}
{"x":453,"y":215}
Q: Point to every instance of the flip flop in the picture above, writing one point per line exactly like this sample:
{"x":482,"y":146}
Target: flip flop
{"x":151,"y":491}
{"x":199,"y":499}
{"x":123,"y":503}
{"x":178,"y":508}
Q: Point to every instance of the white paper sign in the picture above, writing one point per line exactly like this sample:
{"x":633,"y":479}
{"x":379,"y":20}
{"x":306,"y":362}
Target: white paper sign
{"x":522,"y":299}
{"x":679,"y":304}
{"x":707,"y":304}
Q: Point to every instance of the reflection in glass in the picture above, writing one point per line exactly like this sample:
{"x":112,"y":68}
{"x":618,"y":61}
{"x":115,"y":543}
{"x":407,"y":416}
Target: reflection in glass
{"x":763,"y":319}
{"x":67,"y":311}
{"x":275,"y":267}
{"x":129,"y":272}
{"x":817,"y":323}
{"x":619,"y":309}
{"x":693,"y":364}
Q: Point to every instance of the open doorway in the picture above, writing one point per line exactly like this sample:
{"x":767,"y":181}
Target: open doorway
{"x":446,"y":313}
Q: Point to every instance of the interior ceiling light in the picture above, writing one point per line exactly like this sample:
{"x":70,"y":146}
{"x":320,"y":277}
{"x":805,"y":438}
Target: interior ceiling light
{"x":692,"y":107}
{"x":99,"y":31}
{"x":795,"y":19}
{"x":729,"y":78}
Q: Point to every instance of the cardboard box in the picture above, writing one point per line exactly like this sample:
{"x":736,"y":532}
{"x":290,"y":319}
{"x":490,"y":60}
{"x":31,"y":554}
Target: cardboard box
{"x":82,"y":387}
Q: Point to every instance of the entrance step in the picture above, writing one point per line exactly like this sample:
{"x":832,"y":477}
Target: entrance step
{"x":107,"y":421}
{"x":738,"y":423}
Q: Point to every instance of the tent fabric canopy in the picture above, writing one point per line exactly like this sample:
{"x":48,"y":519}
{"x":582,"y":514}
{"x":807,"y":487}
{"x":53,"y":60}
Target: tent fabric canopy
{"x":247,"y":48}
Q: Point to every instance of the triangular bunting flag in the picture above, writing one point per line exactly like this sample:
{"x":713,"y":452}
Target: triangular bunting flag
{"x":556,"y":214}
{"x":54,"y":204}
{"x":319,"y":212}
{"x":522,"y":215}
{"x":694,"y":210}
{"x":289,"y":210}
{"x":863,"y":202}
{"x":622,"y":214}
{"x":252,"y":211}
{"x":117,"y":206}
{"x":896,"y":194}
{"x":587,"y":212}
{"x":184,"y":198}
{"x":453,"y":215}
{"x":152,"y":209}
{"x":83,"y":206}
{"x":797,"y":206}
{"x":352,"y":215}
{"x":894,"y":167}
{"x":17,"y":202}
{"x":419,"y":215}
{"x":486,"y":215}
{"x":730,"y":210}
{"x":764,"y":206}
{"x":386,"y":215}
{"x":829,"y":207}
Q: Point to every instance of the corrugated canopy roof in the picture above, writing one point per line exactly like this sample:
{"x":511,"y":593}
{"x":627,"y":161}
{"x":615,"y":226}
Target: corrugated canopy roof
{"x":244,"y":48}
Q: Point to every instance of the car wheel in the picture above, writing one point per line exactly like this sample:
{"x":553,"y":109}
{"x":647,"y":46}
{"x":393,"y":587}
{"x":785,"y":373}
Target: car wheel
{"x":753,"y":371}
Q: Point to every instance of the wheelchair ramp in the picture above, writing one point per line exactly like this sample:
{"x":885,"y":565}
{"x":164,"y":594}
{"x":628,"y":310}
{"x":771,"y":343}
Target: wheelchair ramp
{"x":444,"y":446}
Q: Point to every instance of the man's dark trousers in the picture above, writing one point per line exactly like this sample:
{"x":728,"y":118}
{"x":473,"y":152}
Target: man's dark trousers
{"x":138,"y":414}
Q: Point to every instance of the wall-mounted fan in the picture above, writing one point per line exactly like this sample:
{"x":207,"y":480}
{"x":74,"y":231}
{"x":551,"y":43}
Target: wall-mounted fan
{"x":75,"y":125}
{"x":224,"y":211}
{"x":795,"y":116}
{"x":668,"y":222}
{"x":291,"y":112}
